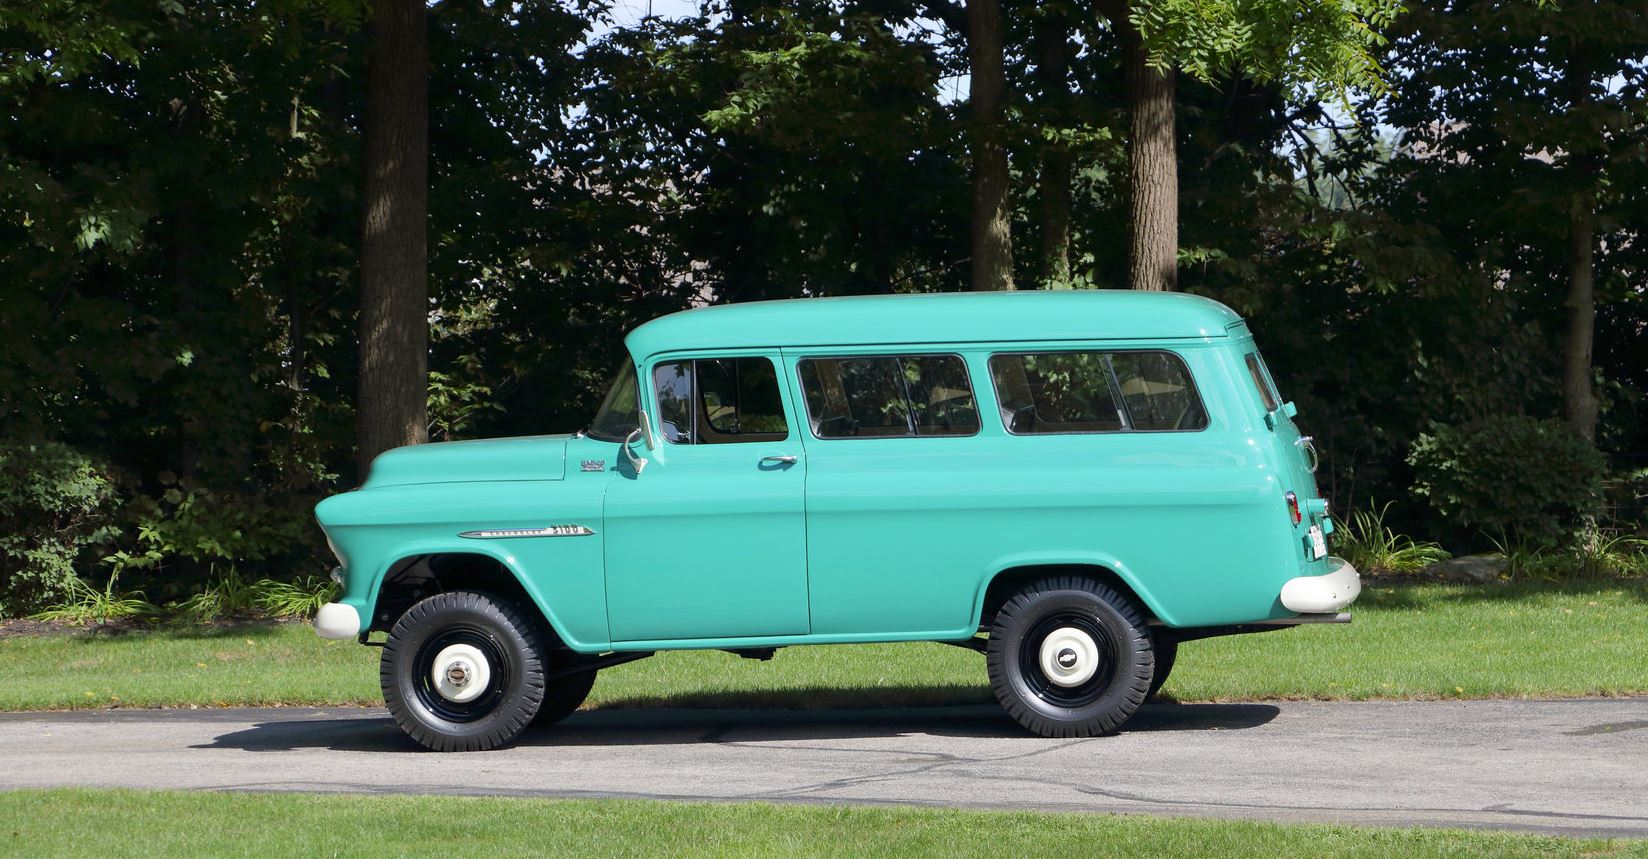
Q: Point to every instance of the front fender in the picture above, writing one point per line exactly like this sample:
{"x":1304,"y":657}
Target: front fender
{"x":578,"y":630}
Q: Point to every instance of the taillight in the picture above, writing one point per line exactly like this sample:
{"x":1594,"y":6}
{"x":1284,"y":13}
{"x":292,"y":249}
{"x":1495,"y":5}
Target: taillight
{"x":1293,"y":508}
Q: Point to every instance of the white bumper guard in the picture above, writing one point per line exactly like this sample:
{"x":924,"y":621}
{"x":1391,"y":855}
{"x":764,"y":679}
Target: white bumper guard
{"x":1330,"y":592}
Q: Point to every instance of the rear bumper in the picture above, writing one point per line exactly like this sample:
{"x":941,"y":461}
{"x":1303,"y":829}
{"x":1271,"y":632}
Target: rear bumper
{"x":337,"y":620}
{"x":1330,"y":592}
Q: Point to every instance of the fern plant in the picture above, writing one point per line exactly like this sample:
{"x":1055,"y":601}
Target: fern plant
{"x":1371,"y":546}
{"x":85,"y":604}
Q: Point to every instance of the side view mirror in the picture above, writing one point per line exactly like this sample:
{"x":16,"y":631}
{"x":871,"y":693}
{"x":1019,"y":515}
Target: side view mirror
{"x":646,"y":431}
{"x":639,"y":463}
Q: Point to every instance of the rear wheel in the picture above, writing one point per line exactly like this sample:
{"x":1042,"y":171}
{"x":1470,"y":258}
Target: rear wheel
{"x":461,"y":671}
{"x":1070,"y":657}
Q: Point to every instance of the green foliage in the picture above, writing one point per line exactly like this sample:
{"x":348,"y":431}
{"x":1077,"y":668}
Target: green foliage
{"x":1590,"y":555}
{"x":225,"y":595}
{"x":85,"y":604}
{"x":1371,"y":546}
{"x":1298,"y":43}
{"x":1516,"y":479}
{"x":178,"y":222}
{"x":54,"y":503}
{"x":299,"y":599}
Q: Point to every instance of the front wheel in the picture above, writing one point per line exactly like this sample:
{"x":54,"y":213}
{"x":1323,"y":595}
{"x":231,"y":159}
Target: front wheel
{"x":462,"y":672}
{"x":1070,"y":657}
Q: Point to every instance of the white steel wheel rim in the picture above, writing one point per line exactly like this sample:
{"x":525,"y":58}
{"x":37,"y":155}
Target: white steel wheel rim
{"x":460,"y":673}
{"x":1069,"y":657}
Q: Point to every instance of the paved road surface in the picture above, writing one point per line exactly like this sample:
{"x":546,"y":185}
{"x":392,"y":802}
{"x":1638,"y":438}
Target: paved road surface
{"x":1573,"y":767}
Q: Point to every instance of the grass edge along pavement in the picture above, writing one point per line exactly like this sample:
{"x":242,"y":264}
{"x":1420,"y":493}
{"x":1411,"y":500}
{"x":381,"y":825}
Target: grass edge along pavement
{"x":1409,"y":641}
{"x":115,"y":823}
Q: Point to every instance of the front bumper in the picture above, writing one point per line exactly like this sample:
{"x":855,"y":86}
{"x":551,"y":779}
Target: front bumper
{"x":337,"y":620}
{"x":1330,"y":592}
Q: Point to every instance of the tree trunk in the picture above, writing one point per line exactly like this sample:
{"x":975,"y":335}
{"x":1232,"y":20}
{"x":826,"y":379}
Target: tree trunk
{"x":1579,"y":405}
{"x":992,"y":237}
{"x":391,"y":408}
{"x":1054,"y":185}
{"x":1153,"y":169}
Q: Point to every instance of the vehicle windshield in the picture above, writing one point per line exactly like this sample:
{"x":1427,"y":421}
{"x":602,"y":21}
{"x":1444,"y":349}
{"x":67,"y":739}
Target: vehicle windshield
{"x":620,"y":412}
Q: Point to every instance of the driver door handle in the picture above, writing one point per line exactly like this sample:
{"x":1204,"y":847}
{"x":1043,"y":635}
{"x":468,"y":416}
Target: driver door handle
{"x":777,"y":459}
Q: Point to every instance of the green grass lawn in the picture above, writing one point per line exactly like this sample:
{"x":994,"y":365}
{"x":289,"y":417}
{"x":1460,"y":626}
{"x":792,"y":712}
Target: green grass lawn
{"x":108,"y":823}
{"x":1408,"y":641}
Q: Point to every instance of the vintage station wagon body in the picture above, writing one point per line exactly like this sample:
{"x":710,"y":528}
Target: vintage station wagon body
{"x":871,"y":469}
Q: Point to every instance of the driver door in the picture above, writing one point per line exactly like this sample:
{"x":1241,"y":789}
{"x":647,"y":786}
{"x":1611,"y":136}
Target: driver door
{"x":710,"y":540}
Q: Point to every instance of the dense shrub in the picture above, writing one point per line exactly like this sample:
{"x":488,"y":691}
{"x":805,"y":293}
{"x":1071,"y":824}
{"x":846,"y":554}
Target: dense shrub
{"x":54,"y":502}
{"x":1514,"y":479}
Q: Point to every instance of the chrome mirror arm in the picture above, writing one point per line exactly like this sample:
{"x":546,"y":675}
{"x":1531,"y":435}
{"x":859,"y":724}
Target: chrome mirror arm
{"x":638,"y":462}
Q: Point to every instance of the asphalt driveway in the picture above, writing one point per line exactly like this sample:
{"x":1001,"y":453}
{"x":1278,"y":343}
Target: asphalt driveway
{"x":1564,"y":767}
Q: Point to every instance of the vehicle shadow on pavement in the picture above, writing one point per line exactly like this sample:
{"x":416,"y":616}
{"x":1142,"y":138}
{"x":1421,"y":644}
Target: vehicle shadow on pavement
{"x":681,"y":727}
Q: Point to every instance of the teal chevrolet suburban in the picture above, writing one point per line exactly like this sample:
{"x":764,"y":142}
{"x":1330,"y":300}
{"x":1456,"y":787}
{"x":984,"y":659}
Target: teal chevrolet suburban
{"x":1072,"y":483}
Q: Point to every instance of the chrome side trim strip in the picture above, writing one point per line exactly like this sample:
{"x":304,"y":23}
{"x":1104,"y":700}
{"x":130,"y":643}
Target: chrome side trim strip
{"x":546,"y":531}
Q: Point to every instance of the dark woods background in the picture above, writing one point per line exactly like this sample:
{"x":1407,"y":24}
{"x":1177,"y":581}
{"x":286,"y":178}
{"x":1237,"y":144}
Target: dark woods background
{"x":180,"y":229}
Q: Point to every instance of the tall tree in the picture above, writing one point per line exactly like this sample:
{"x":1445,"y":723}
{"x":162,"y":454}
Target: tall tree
{"x":1301,"y":44}
{"x":1579,"y":403}
{"x":1536,"y":113}
{"x":1052,"y":49}
{"x":1152,"y":166}
{"x":992,"y":236}
{"x":391,"y":407}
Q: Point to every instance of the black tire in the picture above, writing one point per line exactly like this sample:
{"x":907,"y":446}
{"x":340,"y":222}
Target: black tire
{"x":1167,"y":651}
{"x":508,"y":641}
{"x":1121,"y":657}
{"x":563,"y":696}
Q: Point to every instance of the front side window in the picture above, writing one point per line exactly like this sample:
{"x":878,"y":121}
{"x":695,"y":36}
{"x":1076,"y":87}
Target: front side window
{"x":1084,"y":392}
{"x":620,"y":412}
{"x":720,"y":401}
{"x":895,"y":395}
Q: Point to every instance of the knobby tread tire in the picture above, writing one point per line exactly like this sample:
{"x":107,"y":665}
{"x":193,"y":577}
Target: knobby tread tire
{"x":1120,"y":618}
{"x":514,"y":630}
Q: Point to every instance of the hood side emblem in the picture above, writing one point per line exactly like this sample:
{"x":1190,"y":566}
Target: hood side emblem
{"x":593,"y":465}
{"x":546,"y":531}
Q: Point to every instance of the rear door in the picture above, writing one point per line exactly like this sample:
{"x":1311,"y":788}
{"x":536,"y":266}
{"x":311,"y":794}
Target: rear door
{"x":1296,"y":450}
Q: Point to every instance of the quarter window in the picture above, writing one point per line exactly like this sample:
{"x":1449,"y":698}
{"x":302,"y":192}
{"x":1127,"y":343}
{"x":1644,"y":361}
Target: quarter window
{"x":881,"y":396}
{"x":720,"y":401}
{"x":1083,"y":392}
{"x":1261,"y":380}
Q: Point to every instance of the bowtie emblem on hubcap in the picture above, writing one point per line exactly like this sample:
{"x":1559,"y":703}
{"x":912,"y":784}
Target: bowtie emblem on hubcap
{"x":1067,"y":658}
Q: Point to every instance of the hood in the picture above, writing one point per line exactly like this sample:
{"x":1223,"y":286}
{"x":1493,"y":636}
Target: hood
{"x":539,"y":457}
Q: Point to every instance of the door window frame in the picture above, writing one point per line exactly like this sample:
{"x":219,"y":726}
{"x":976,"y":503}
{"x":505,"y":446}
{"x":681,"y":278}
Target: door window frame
{"x":779,"y":362}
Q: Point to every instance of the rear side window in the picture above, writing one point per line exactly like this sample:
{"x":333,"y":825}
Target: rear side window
{"x":882,"y":396}
{"x":1261,"y":380}
{"x":720,"y":401}
{"x":1082,"y":392}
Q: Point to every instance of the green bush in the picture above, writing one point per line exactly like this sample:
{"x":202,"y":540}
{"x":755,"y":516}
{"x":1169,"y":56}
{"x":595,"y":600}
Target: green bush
{"x":1515,"y":479}
{"x":54,"y":502}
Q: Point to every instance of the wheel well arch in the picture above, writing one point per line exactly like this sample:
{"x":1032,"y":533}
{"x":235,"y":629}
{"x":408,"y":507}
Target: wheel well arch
{"x":416,"y":577}
{"x":1007,"y":582}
